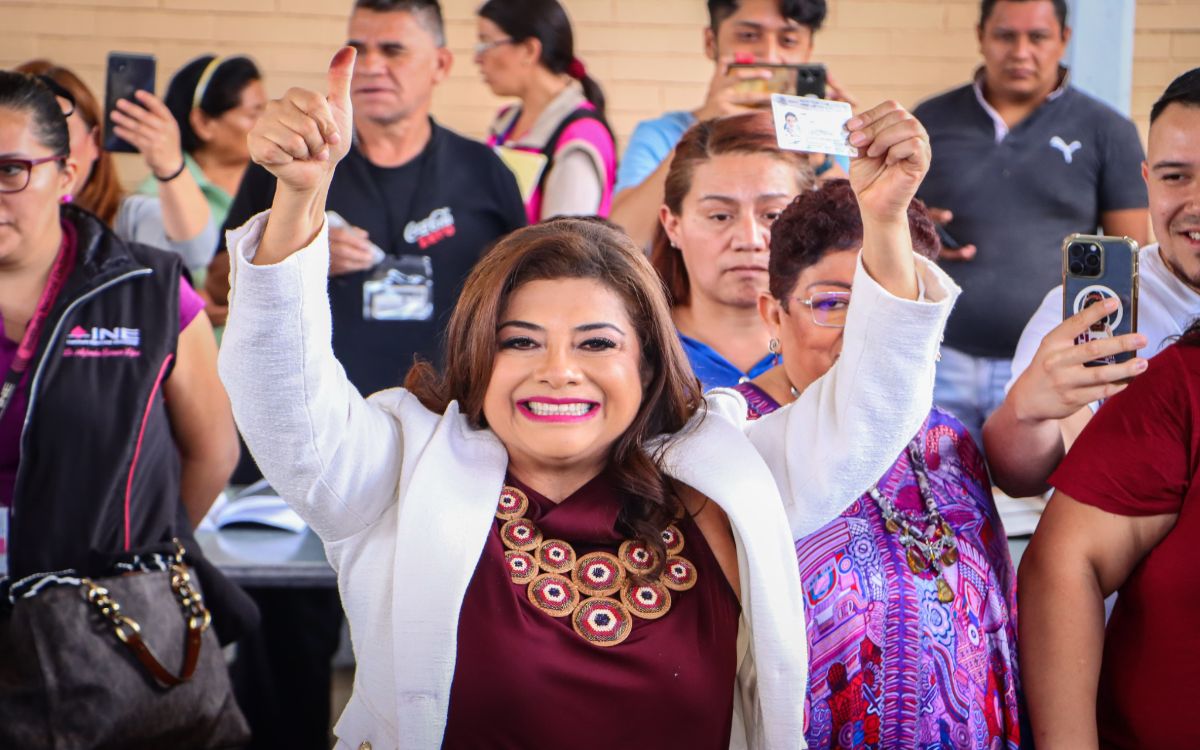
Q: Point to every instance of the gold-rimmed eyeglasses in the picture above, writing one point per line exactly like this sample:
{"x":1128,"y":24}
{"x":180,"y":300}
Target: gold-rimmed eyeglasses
{"x":828,"y":308}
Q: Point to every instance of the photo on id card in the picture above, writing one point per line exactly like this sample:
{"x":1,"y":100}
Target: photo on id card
{"x":803,"y":123}
{"x":399,"y":288}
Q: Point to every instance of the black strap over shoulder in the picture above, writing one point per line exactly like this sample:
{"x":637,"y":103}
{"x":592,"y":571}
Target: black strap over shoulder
{"x":551,"y":147}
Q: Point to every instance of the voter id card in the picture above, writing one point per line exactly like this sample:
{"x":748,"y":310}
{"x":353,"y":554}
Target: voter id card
{"x":399,"y":288}
{"x":803,"y":123}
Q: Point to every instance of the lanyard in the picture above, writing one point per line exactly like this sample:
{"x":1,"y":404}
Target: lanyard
{"x":62,"y":267}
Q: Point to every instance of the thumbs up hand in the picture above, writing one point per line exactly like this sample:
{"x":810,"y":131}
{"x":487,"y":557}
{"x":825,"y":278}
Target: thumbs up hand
{"x":301,"y":137}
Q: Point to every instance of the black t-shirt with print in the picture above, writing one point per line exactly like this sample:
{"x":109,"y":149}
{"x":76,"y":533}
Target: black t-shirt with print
{"x":447,"y":205}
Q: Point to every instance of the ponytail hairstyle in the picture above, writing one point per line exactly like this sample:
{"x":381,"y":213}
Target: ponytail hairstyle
{"x":211,"y":84}
{"x":546,"y":21}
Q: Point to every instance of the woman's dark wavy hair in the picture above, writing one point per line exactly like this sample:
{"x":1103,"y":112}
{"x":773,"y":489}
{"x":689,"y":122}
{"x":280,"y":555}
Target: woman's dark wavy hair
{"x":222,"y":93}
{"x":826,"y":220}
{"x":101,"y":192}
{"x":574,"y":248}
{"x":546,"y":21}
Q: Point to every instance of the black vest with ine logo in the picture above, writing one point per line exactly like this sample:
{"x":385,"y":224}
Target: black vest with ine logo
{"x":99,"y":471}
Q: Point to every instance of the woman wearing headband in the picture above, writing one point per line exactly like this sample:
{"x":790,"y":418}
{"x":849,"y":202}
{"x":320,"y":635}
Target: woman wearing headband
{"x":556,"y":139}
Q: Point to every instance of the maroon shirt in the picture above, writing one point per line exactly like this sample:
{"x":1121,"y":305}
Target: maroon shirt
{"x":526,"y":680}
{"x":1140,"y":456}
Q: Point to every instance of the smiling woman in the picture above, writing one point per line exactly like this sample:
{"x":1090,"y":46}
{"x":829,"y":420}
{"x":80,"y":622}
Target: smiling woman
{"x":559,"y":505}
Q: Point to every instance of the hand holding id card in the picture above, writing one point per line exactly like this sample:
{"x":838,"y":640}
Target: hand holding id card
{"x":803,"y":123}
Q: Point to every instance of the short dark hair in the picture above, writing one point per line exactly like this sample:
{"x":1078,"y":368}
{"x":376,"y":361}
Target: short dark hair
{"x":1060,"y":10}
{"x":428,"y":12}
{"x":25,"y":93}
{"x":222,"y":92}
{"x":1185,"y":90}
{"x":810,"y":13}
{"x":818,"y":222}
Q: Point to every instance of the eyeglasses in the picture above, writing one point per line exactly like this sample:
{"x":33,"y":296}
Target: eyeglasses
{"x":14,"y":173}
{"x":483,"y":47}
{"x":828,"y":308}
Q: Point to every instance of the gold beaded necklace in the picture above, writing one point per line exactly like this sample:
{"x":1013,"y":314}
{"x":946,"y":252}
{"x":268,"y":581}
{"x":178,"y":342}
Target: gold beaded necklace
{"x":562,"y":584}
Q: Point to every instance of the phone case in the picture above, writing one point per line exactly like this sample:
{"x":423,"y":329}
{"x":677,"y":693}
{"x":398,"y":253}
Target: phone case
{"x":127,"y":72}
{"x":1117,"y":277}
{"x":791,"y":79}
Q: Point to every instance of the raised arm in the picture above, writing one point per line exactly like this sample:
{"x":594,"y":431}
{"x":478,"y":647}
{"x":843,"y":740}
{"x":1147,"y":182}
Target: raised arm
{"x":848,"y":427}
{"x":329,"y":453}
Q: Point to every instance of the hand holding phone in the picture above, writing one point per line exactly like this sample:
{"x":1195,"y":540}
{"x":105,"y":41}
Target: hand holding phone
{"x":146,"y":124}
{"x":127,"y":74}
{"x":952,"y":248}
{"x":790,"y":79}
{"x":727,"y":94}
{"x":1101,"y":269}
{"x":1059,"y":380}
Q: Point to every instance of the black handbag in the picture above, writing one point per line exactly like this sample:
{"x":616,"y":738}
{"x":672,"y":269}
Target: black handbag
{"x":126,"y":661}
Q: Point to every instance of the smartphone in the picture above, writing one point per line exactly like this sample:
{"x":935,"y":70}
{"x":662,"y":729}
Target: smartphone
{"x":794,"y":80}
{"x":127,"y":72}
{"x":948,"y":241}
{"x":1096,"y":268}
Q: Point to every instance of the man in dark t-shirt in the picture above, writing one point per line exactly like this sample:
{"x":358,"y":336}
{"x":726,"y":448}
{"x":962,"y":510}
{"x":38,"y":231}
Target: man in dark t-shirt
{"x":431,"y":202}
{"x":430,"y":199}
{"x":1021,"y":159}
{"x":432,"y":217}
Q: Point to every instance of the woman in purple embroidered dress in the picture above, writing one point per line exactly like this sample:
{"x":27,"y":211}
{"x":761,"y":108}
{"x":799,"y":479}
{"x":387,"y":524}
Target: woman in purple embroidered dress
{"x":910,"y":594}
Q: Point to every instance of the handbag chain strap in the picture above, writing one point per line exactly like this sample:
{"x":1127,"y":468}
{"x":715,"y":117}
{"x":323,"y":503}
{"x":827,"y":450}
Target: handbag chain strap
{"x":130,"y":633}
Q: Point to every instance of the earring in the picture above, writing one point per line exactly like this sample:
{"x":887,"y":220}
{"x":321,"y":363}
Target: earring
{"x":773,"y":346}
{"x":67,"y":198}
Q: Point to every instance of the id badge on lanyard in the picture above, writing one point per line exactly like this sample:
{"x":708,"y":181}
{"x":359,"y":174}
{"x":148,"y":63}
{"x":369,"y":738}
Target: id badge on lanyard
{"x":399,"y":288}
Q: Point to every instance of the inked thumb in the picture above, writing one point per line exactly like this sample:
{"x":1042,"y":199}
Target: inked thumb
{"x":341,"y":68}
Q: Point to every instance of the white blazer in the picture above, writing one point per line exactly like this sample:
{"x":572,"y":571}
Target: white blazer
{"x":403,"y":498}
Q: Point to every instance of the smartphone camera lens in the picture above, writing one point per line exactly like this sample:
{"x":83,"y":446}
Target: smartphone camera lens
{"x":1084,"y":259}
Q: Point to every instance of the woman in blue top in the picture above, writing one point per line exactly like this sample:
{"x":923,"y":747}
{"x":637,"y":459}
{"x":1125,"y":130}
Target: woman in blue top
{"x":727,"y":184}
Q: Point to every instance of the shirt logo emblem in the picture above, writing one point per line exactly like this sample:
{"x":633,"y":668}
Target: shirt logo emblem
{"x":99,"y":341}
{"x":432,"y":229}
{"x":1068,"y":149}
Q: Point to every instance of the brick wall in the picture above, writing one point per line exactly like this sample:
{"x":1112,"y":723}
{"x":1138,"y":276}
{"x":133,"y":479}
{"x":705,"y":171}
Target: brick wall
{"x":646,"y":53}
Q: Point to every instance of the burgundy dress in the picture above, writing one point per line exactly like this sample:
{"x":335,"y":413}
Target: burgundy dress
{"x":525,"y":679}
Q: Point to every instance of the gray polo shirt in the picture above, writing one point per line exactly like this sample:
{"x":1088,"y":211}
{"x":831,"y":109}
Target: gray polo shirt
{"x":1016,"y":194}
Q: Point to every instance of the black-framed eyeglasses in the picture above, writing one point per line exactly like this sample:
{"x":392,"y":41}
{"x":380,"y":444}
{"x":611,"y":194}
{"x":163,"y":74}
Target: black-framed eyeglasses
{"x":483,"y":47}
{"x":14,"y":173}
{"x":828,"y":308}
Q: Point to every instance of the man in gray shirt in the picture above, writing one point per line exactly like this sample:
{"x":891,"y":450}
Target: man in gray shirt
{"x":1020,"y":160}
